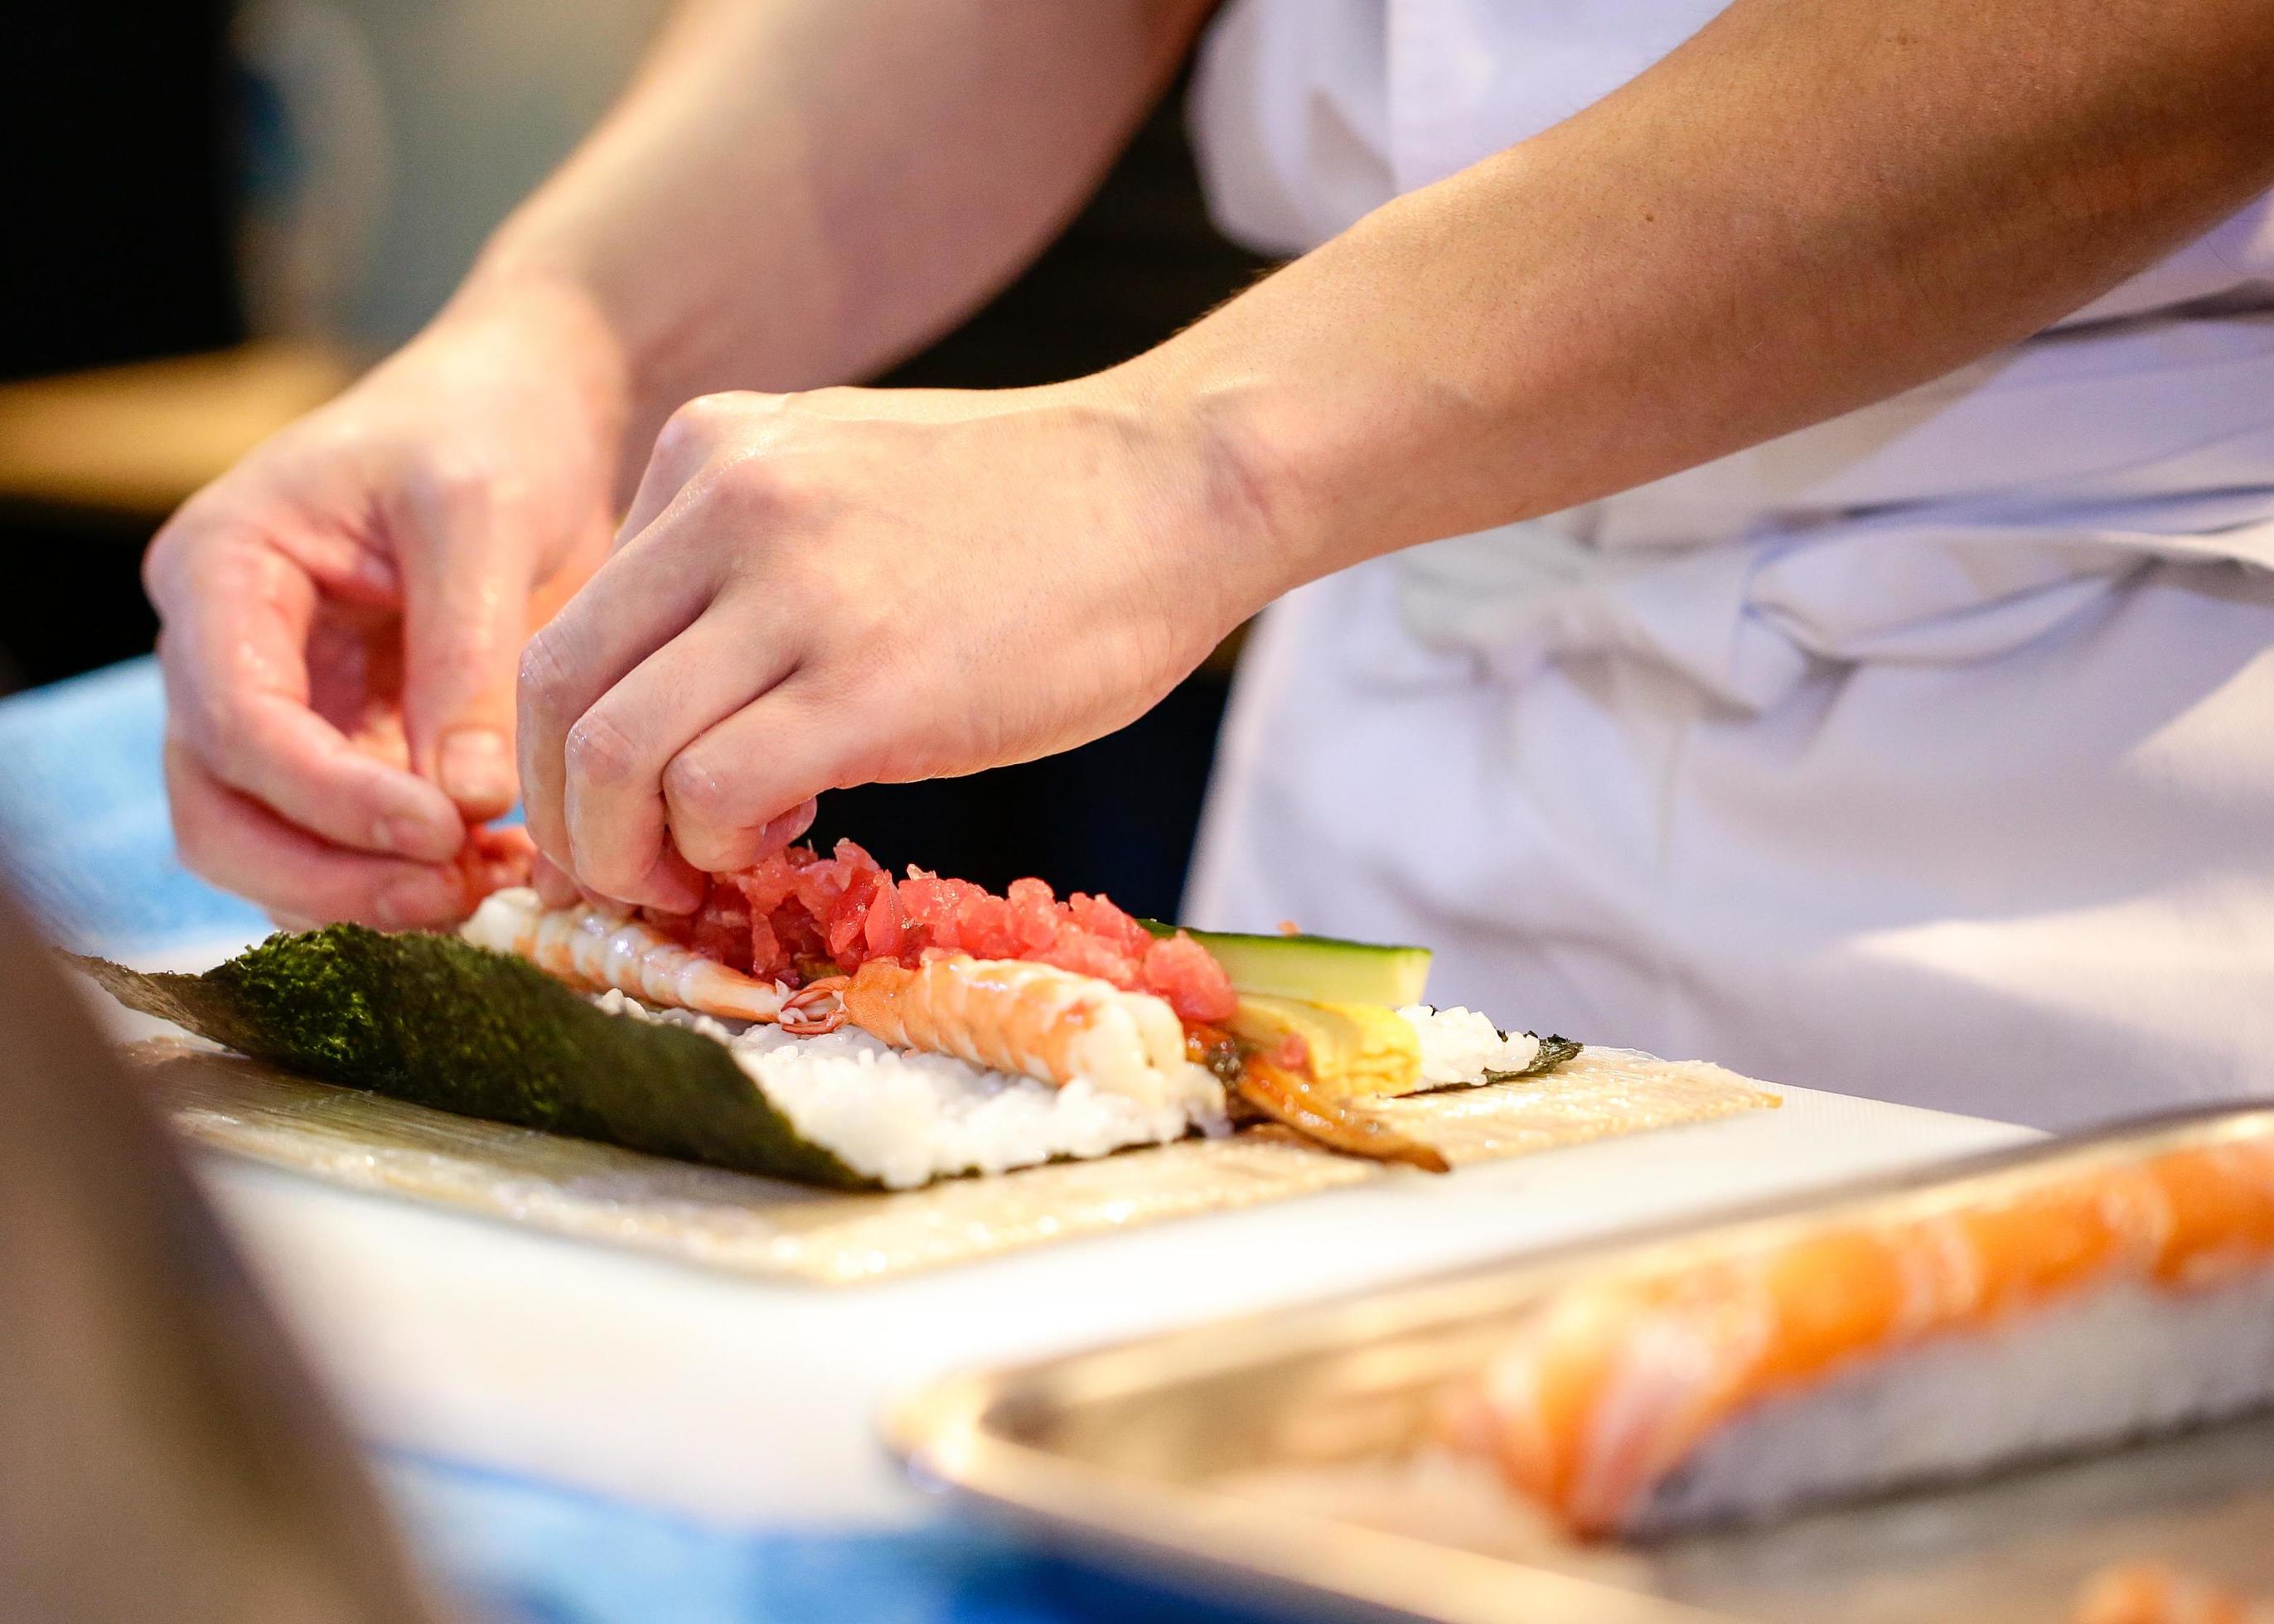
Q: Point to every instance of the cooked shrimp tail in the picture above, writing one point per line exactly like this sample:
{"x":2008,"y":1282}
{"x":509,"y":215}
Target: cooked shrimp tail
{"x":814,"y":1008}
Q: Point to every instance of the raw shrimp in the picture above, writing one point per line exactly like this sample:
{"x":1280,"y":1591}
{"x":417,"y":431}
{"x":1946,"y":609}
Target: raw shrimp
{"x":600,"y":948}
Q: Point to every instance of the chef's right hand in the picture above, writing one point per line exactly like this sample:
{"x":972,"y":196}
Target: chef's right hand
{"x":343,"y":612}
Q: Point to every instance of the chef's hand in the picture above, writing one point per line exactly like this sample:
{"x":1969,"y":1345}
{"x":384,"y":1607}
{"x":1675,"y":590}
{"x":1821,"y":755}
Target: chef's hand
{"x":344,"y":612}
{"x":854,"y":586}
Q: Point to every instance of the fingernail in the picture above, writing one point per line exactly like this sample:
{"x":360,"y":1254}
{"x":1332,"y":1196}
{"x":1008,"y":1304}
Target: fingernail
{"x":787,"y":827}
{"x":477,"y":769}
{"x":419,"y":899}
{"x":412,"y":837}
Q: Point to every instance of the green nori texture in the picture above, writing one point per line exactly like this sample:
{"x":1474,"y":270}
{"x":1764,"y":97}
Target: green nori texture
{"x":1554,"y":1051}
{"x":439,"y":1022}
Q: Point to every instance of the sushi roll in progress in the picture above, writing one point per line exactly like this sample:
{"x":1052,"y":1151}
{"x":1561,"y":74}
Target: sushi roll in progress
{"x":1026,"y":984}
{"x":2078,"y":1307}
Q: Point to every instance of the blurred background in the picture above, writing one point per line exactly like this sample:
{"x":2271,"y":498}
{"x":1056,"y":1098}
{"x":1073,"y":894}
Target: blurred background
{"x":219,"y":214}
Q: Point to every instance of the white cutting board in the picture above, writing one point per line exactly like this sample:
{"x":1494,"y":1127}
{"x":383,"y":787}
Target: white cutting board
{"x":752,"y":1401}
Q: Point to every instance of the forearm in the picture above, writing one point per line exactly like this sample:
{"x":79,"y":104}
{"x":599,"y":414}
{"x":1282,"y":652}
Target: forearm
{"x":1810,"y":207}
{"x":796,"y":192}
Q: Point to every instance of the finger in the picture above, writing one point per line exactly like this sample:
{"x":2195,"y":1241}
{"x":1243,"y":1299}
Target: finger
{"x":241,"y":846}
{"x":554,"y":887}
{"x":768,"y":838}
{"x":612,"y":794}
{"x":644,"y":596}
{"x":744,"y":788}
{"x":791,"y":825}
{"x":689,"y":437}
{"x":557,"y":888}
{"x":290,"y":760}
{"x":235,"y":661}
{"x":468,"y":560}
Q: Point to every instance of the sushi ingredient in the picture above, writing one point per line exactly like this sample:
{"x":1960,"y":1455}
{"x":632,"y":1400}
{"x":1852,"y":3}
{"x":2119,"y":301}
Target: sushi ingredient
{"x":1034,"y":1019}
{"x":1045,"y":1023}
{"x":1553,"y":1051}
{"x":906,"y":1118}
{"x":1311,"y":1066}
{"x":1461,"y":1048}
{"x":799,"y":916}
{"x":495,"y":857}
{"x":597,"y":948}
{"x":2127,"y":1297}
{"x":1324,"y":969}
{"x":1298,"y":1100}
{"x":1458,"y":1046}
{"x":442,"y":1022}
{"x":1353,"y":1050}
{"x":2149,"y":1593}
{"x":1058,"y":991}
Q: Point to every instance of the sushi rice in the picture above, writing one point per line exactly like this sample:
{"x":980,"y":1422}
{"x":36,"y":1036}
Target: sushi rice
{"x":904,"y":1117}
{"x":2128,"y":1361}
{"x":1458,"y":1046}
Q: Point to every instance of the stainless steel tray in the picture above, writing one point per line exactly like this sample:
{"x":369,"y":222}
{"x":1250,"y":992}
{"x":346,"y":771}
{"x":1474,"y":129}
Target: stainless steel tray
{"x":1267,"y":1461}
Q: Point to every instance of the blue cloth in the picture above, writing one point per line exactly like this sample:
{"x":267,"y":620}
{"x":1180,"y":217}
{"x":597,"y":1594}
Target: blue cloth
{"x":84,"y":836}
{"x":532,"y":1553}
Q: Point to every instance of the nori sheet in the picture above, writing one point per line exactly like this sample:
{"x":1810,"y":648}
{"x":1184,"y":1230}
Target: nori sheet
{"x":1554,"y":1051}
{"x":442,"y":1022}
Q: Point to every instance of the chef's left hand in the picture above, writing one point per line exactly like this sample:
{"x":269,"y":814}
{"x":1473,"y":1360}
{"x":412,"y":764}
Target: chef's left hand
{"x":852,"y":586}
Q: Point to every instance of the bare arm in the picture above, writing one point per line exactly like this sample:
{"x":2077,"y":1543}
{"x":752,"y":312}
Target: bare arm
{"x":1812,"y":205}
{"x":798,"y":192}
{"x":794,"y":193}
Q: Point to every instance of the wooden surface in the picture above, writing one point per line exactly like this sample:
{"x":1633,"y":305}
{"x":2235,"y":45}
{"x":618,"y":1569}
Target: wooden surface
{"x":138,"y":439}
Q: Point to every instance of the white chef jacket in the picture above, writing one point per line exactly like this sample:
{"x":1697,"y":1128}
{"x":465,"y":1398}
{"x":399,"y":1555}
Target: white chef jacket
{"x":1927,"y":753}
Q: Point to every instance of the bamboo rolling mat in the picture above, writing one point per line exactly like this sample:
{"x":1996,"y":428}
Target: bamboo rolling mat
{"x":766,"y":1228}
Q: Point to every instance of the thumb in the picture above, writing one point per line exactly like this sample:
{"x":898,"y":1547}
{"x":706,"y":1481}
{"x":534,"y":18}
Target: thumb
{"x":465,"y":614}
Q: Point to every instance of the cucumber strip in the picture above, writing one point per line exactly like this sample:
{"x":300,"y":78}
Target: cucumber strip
{"x":1319,"y":969}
